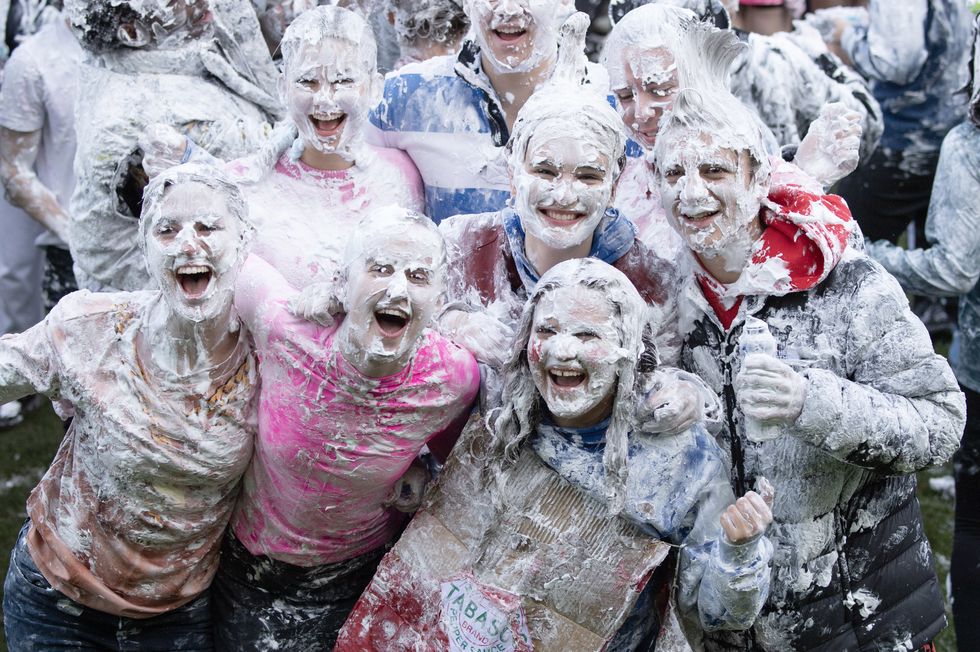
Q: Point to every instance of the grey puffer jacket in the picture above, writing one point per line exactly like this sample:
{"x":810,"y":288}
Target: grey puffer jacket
{"x":852,"y":569}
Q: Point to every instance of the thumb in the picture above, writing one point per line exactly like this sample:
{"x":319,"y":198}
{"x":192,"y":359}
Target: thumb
{"x":765,"y":489}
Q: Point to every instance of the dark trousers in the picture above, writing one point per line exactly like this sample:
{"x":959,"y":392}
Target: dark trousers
{"x":39,"y":618}
{"x":264,"y":604}
{"x":884,"y":199}
{"x":59,"y":276}
{"x":965,"y":566}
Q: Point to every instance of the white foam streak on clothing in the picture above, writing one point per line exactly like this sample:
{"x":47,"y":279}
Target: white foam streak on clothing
{"x":304,"y":216}
{"x":122,"y":93}
{"x":895,"y":46}
{"x":129,"y":518}
{"x":915,"y":57}
{"x":39,"y":89}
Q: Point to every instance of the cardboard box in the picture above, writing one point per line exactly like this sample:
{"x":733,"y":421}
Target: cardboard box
{"x":549,"y":565}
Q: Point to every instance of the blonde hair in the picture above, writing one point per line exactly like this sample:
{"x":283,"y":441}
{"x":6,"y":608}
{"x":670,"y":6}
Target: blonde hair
{"x":512,"y":424}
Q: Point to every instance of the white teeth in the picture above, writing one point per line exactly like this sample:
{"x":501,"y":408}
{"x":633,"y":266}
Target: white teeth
{"x":193,"y":269}
{"x":394,"y":312}
{"x":565,"y":373}
{"x":561,"y":216}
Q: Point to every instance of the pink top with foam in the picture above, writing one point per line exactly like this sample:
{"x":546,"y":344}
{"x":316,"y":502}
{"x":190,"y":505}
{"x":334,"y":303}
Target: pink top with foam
{"x":332,"y":442}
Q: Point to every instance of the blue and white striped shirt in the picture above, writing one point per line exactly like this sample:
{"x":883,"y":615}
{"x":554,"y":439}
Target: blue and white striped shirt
{"x":446,"y":115}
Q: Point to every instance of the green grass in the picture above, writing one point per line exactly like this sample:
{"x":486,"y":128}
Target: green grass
{"x":27,"y":450}
{"x":25,"y":453}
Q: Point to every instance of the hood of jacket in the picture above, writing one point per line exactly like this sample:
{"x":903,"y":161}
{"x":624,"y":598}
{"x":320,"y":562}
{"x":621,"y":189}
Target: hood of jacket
{"x":804,"y":238}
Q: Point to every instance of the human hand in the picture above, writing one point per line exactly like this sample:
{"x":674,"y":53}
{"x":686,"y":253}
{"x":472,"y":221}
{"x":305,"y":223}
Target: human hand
{"x":163,"y":147}
{"x":406,"y":495}
{"x":318,"y":302}
{"x":480,"y":333}
{"x":831,"y":148}
{"x":750,"y":516}
{"x":769,"y":390}
{"x":672,"y":409}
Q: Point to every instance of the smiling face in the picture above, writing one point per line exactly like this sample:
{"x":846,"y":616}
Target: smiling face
{"x":651,"y":85}
{"x":564,"y":187}
{"x":394,"y":287}
{"x":515,"y":35}
{"x":708,"y":191}
{"x":574,"y":353}
{"x":193,"y":247}
{"x":327,"y":91}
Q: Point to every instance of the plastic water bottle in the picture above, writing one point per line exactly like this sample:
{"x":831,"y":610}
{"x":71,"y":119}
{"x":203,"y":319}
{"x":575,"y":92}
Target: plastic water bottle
{"x":756,"y":338}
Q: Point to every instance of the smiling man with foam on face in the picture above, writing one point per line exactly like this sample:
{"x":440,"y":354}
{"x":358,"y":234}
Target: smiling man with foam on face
{"x":344,"y":411}
{"x":857,"y":397}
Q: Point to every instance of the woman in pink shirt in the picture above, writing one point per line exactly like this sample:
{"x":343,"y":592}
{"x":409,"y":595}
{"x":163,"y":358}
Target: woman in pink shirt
{"x":344,"y":411}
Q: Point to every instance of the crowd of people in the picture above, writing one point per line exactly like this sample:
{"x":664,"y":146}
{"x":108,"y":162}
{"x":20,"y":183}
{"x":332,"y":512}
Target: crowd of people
{"x":490,"y":324}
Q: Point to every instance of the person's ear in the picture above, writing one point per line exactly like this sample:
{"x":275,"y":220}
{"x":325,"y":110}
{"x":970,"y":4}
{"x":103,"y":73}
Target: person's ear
{"x":133,"y":35}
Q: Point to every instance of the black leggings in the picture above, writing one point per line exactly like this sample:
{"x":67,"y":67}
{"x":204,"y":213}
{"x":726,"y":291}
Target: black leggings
{"x":965,"y":566}
{"x":259,"y":603}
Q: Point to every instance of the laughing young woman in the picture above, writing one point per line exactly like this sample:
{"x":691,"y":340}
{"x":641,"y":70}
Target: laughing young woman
{"x":126,"y":525}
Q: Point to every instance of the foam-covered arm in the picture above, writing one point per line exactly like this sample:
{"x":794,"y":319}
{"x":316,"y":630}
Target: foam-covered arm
{"x":734,"y":584}
{"x":951,"y":266}
{"x":28,"y":363}
{"x":261,"y":292}
{"x":720,"y":585}
{"x":18,"y":153}
{"x":899,"y":409}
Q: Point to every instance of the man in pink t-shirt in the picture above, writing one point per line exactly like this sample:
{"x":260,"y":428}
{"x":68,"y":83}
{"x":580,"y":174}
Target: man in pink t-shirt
{"x":344,"y":412}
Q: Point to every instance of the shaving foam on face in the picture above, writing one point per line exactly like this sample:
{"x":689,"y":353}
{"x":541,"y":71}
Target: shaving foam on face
{"x":514,"y":35}
{"x":395,"y":283}
{"x":565,"y":184}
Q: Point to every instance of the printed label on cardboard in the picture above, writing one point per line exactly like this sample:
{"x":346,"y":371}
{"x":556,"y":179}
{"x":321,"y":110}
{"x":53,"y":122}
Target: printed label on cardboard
{"x":476,"y":622}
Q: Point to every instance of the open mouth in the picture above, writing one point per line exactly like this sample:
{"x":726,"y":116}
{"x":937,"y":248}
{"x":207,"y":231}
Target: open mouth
{"x":328,"y":126}
{"x":561,"y":217}
{"x":392,"y":322}
{"x":194,"y":280}
{"x":509,"y":33}
{"x":567,"y":378}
